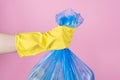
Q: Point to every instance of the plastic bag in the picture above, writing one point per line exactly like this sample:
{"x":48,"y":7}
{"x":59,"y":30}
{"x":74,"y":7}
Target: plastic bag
{"x":61,"y":65}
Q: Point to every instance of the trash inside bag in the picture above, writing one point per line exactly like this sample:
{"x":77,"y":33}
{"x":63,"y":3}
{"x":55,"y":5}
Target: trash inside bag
{"x":61,"y":65}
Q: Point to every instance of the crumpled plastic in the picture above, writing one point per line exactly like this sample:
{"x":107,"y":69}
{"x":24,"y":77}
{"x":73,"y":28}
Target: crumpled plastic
{"x":69,"y":18}
{"x":32,"y":43}
{"x":61,"y":65}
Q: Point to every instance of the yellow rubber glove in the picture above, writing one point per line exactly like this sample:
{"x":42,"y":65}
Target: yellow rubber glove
{"x":32,"y":43}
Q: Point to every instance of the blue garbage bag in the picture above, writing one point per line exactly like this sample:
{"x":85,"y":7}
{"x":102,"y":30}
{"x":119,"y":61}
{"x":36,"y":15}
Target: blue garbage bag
{"x":61,"y":65}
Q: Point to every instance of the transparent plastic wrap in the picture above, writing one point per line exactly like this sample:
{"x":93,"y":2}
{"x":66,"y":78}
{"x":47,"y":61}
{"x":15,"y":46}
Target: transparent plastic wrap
{"x":61,"y":65}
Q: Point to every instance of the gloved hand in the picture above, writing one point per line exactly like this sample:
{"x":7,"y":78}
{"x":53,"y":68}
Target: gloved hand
{"x":32,"y":43}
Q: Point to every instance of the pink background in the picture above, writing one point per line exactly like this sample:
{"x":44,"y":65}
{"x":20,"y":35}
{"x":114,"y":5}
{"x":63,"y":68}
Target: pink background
{"x":96,"y":42}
